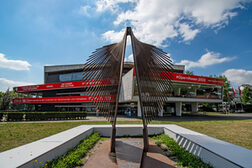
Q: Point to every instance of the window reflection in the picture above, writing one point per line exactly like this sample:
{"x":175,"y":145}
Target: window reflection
{"x":75,"y":76}
{"x":188,"y":90}
{"x":196,"y":91}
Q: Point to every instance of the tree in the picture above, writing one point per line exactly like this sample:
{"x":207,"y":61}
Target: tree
{"x":5,"y":100}
{"x":1,"y":99}
{"x":246,"y":95}
{"x":1,"y":94}
{"x":189,"y":72}
{"x":226,"y":87}
{"x":14,"y":95}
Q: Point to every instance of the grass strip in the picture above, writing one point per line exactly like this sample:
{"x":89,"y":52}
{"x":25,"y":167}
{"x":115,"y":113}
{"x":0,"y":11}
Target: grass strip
{"x":74,"y":156}
{"x":185,"y":158}
{"x":238,"y":132}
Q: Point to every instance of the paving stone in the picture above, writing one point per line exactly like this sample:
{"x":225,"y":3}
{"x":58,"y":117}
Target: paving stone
{"x":101,"y":157}
{"x":156,"y":158}
{"x":129,"y":152}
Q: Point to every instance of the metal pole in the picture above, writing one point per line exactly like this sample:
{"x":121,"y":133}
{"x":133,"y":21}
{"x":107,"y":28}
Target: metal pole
{"x":113,"y":132}
{"x":145,"y":129}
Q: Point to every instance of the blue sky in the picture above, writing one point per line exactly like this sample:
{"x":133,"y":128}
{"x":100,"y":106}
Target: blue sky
{"x":209,"y":37}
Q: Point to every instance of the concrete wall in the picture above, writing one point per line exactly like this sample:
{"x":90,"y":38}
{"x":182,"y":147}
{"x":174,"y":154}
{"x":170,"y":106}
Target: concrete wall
{"x":126,"y":92}
{"x":219,"y":154}
{"x":194,"y":107}
{"x":178,"y":106}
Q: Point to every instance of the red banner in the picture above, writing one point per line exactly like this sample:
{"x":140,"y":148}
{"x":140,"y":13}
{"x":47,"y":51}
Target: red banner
{"x":196,"y":79}
{"x":65,"y":85}
{"x":79,"y":84}
{"x":239,"y":91}
{"x":234,"y":92}
{"x":189,"y":78}
{"x":66,"y":99}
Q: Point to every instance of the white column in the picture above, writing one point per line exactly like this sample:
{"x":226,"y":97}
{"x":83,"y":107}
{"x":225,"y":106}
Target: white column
{"x":194,"y":107}
{"x":179,"y":109}
{"x":139,"y":114}
{"x":161,"y":112}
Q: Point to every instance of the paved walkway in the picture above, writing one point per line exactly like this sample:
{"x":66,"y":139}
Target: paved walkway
{"x":89,"y":118}
{"x":119,"y":118}
{"x":129,"y":155}
{"x":156,"y":158}
{"x":210,"y":117}
{"x":185,"y":117}
{"x":100,"y":157}
{"x":129,"y":152}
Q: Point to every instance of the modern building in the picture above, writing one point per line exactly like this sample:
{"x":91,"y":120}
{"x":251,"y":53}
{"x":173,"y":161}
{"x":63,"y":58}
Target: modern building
{"x":64,"y":90}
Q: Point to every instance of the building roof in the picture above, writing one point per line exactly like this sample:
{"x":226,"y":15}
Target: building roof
{"x":74,"y":67}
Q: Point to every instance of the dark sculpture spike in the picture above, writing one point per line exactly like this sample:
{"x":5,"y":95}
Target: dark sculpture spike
{"x":152,"y":66}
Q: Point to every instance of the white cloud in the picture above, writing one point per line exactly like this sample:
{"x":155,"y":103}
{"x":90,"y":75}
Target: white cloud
{"x":239,"y":76}
{"x":113,"y":36}
{"x":159,"y":20}
{"x":187,"y":33}
{"x":85,"y":10}
{"x":18,"y":65}
{"x":130,"y":58}
{"x":5,"y":84}
{"x":111,"y":5}
{"x":208,"y":59}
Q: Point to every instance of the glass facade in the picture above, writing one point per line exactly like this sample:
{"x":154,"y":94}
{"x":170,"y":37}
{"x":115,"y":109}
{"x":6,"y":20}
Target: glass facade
{"x":191,"y":90}
{"x":196,"y":91}
{"x":69,"y":77}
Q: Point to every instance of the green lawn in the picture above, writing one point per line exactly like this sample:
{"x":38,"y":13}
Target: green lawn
{"x":16,"y":134}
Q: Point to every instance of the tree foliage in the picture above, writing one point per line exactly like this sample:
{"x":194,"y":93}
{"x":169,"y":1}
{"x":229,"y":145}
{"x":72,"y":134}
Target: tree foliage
{"x":247,"y":95}
{"x":225,"y":87}
{"x":6,"y":100}
{"x":189,"y":72}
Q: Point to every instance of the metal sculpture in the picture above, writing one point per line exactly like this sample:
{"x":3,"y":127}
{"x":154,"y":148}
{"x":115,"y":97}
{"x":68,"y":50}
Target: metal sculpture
{"x":153,"y":69}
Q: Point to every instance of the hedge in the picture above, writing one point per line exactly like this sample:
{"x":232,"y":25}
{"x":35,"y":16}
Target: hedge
{"x":247,"y":108}
{"x":14,"y":116}
{"x":38,"y":116}
{"x":74,"y":156}
{"x":1,"y":116}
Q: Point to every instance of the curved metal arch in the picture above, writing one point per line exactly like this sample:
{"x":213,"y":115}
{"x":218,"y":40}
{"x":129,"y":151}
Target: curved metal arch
{"x":152,"y":66}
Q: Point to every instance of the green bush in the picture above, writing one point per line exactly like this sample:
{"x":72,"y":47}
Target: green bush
{"x":13,"y":116}
{"x":185,"y":158}
{"x":247,"y":108}
{"x":73,"y":157}
{"x":36,"y":116}
{"x":1,"y":116}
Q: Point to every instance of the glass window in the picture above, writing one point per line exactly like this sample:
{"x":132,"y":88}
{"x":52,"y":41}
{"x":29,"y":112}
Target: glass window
{"x":76,"y":76}
{"x":191,"y":90}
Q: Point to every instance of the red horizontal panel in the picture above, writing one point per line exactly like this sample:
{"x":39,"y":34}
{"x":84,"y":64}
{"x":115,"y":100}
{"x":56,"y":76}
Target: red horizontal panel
{"x":194,"y":79}
{"x":66,"y":99}
{"x":189,"y":78}
{"x":65,"y":85}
